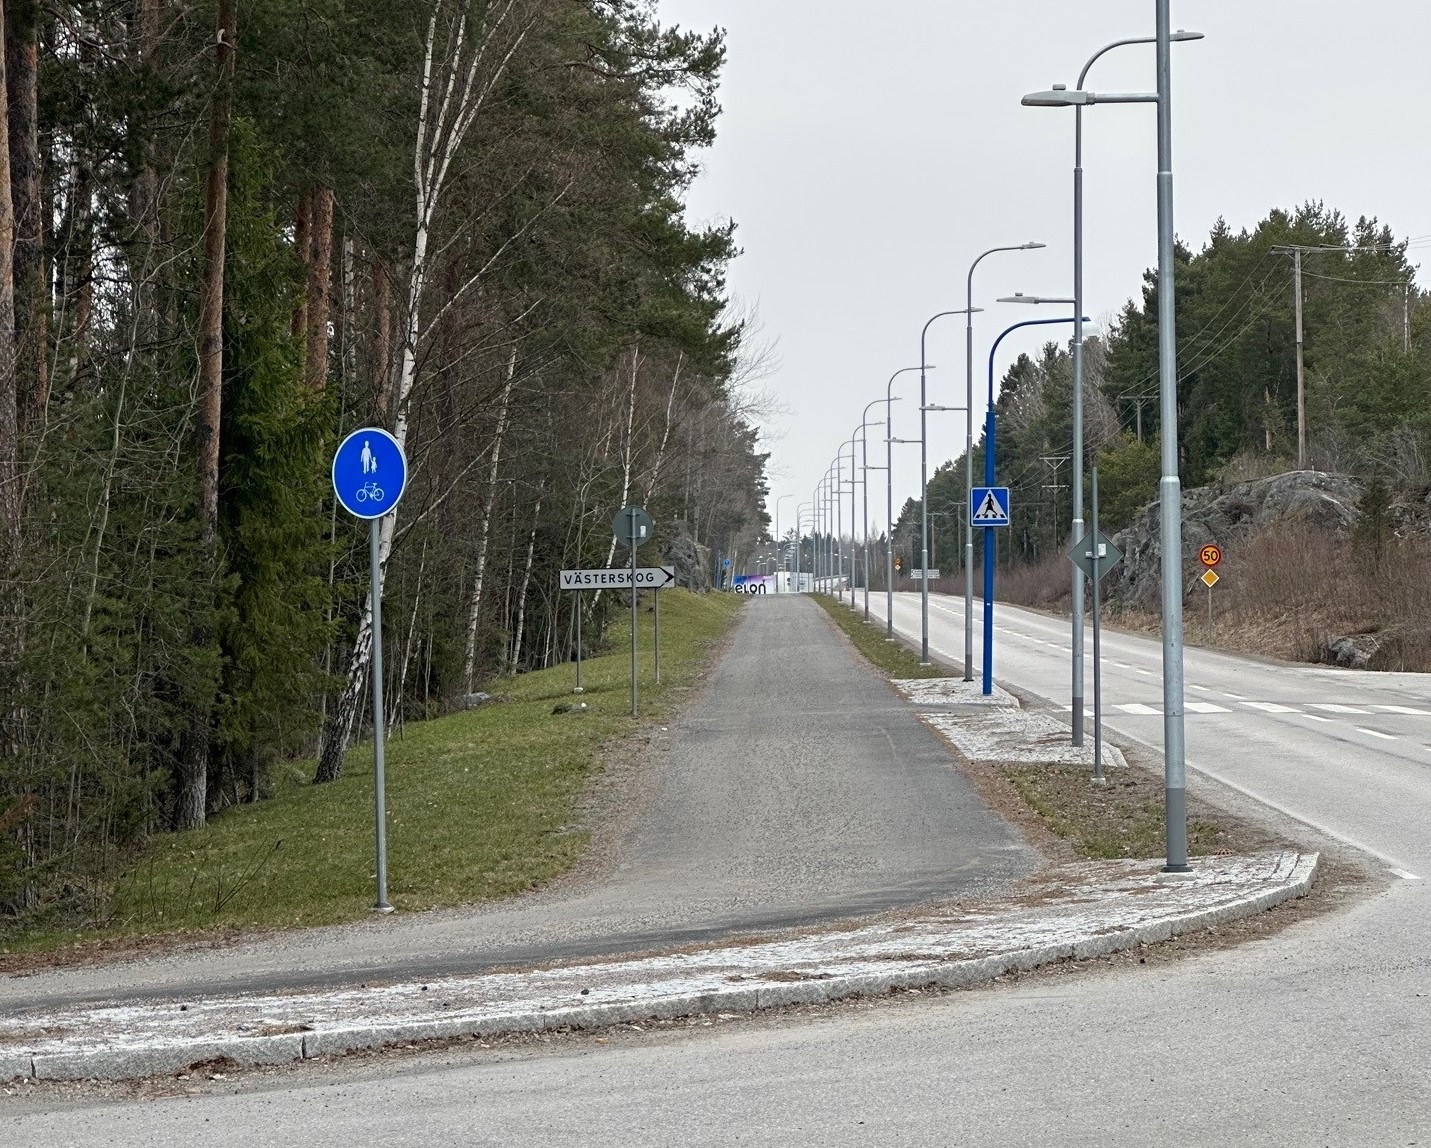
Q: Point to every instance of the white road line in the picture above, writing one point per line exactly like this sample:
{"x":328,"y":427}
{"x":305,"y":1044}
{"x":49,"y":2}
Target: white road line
{"x":1234,"y":697}
{"x":1150,"y":673}
{"x":1139,"y":708}
{"x":1336,"y":709}
{"x":1404,"y":710}
{"x":1273,"y":708}
{"x":1205,"y":708}
{"x":1403,"y":874}
{"x":1375,"y":733}
{"x":1123,"y":665}
{"x":1317,"y":717}
{"x":1204,"y":689}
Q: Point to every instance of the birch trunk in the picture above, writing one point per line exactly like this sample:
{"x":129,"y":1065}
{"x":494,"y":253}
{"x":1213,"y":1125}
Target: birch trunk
{"x":22,"y":77}
{"x":526,"y":582}
{"x":320,"y":268}
{"x":484,"y":540}
{"x":9,"y":409}
{"x":625,"y":456}
{"x":453,"y":92}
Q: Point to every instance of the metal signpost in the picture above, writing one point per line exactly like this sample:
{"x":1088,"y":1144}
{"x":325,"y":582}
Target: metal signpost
{"x":989,"y":508}
{"x":1210,"y":556}
{"x":1095,"y":555}
{"x":633,"y":526}
{"x":620,"y":578}
{"x":369,"y":477}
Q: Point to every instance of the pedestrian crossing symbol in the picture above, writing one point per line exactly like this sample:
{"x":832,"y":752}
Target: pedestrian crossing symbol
{"x":989,"y":506}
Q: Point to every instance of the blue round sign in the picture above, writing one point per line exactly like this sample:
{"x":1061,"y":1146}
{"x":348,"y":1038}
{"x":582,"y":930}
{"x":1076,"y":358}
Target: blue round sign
{"x":369,"y":473}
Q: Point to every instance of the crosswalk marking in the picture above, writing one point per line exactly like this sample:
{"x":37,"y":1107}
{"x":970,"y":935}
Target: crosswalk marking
{"x":1205,"y":708}
{"x":1140,"y":708}
{"x":1272,"y":707}
{"x":1333,"y":708}
{"x":1375,"y":733}
{"x":1404,"y":710}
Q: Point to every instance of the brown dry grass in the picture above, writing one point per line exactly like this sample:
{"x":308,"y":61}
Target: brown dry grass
{"x":1288,"y":589}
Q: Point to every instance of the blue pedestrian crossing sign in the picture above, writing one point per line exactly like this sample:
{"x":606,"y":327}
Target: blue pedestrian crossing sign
{"x":369,"y":473}
{"x":989,"y":506}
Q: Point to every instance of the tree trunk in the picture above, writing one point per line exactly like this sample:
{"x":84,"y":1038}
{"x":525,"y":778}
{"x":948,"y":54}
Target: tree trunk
{"x":191,"y":799}
{"x":475,"y":606}
{"x":319,"y":289}
{"x":382,"y":343}
{"x":9,"y":411}
{"x":144,"y":203}
{"x":526,"y":583}
{"x":22,"y":78}
{"x":303,"y":248}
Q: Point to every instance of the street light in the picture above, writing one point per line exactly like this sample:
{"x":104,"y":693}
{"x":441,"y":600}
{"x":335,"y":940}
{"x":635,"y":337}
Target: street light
{"x":924,"y":409}
{"x":1032,"y":245}
{"x":1170,"y":485}
{"x":989,"y":427}
{"x":889,"y":504}
{"x":865,"y":477}
{"x":1076,"y":645}
{"x":806,"y":510}
{"x":778,"y":501}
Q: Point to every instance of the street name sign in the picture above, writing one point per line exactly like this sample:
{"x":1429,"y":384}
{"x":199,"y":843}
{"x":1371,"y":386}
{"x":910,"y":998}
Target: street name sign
{"x":632,"y":526}
{"x":369,"y":473}
{"x":1081,"y":555}
{"x":647,"y":578}
{"x":989,"y":506}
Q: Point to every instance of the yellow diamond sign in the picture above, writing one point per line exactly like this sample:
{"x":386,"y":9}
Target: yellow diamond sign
{"x":1209,"y":578}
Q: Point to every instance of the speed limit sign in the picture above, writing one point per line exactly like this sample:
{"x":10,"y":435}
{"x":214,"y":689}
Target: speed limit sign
{"x":1210,"y":555}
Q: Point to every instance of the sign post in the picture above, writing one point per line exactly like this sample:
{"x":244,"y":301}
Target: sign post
{"x":579,"y":688}
{"x":1095,"y":555}
{"x":631,"y":527}
{"x":1210,"y":556}
{"x":369,"y":477}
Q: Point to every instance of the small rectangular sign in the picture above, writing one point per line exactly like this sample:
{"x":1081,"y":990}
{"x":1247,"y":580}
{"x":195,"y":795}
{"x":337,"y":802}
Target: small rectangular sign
{"x":619,"y":578}
{"x":918,"y":575}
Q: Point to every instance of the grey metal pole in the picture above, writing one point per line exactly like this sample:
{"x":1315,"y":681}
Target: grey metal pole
{"x":380,"y":797}
{"x":631,"y":537}
{"x":889,"y":513}
{"x":579,"y":688}
{"x":853,"y":483}
{"x":969,"y":310}
{"x":1098,"y":778}
{"x":923,"y":507}
{"x":1076,"y":602}
{"x":865,"y":464}
{"x":656,"y":629}
{"x":1174,"y":749}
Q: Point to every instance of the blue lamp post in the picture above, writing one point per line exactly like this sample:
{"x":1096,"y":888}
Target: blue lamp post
{"x":989,"y":426}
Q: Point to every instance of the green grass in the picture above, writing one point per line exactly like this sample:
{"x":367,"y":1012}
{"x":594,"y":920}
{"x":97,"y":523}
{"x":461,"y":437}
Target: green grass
{"x":894,"y":658}
{"x":481,"y":804}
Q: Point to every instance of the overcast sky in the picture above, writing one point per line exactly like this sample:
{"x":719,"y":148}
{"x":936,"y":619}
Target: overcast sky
{"x":869,"y":152}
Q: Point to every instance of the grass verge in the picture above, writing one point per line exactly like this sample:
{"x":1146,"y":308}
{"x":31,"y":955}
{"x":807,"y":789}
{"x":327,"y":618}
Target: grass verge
{"x":481,"y":805}
{"x":1060,"y":803}
{"x":894,"y":658}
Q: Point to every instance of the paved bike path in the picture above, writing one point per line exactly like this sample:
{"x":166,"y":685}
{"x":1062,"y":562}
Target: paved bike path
{"x":799,"y":788}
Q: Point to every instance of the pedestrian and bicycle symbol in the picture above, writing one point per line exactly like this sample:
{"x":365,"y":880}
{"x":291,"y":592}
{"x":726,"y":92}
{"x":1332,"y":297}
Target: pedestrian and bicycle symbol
{"x":369,"y":473}
{"x":989,"y":506}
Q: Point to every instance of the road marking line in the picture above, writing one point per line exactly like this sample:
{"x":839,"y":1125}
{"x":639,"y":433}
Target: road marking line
{"x":1274,"y":708}
{"x":1375,"y":733}
{"x":1234,"y":697}
{"x":1150,"y":673}
{"x":1204,"y":689}
{"x":1139,"y":708}
{"x":1317,"y":717}
{"x":1205,"y":708}
{"x":1332,"y":708}
{"x":1123,"y":665}
{"x":1404,"y":710}
{"x":1403,"y":874}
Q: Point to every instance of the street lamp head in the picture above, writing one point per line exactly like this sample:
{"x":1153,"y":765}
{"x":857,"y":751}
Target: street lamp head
{"x":1057,"y":97}
{"x":1032,"y":245}
{"x":1180,"y":35}
{"x":1020,"y":297}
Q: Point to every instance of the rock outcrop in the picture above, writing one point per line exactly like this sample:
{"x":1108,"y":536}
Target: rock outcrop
{"x":1225,"y":515}
{"x":691,"y":560}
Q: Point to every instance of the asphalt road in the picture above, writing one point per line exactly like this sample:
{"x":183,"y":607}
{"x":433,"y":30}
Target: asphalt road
{"x":799,"y":788}
{"x":1314,"y":1036}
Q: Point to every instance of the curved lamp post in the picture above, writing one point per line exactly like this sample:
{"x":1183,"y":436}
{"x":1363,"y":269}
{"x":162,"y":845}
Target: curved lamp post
{"x":970,"y":309}
{"x":889,"y":504}
{"x":1170,"y":485}
{"x":989,"y":427}
{"x":778,"y":501}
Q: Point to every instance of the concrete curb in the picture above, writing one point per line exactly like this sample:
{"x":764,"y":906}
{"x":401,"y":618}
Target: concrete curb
{"x":148,"y":1060}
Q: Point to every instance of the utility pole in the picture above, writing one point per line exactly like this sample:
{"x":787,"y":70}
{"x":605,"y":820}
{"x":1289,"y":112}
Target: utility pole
{"x":1053,"y":462}
{"x":1137,"y":401}
{"x":1297,"y":250}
